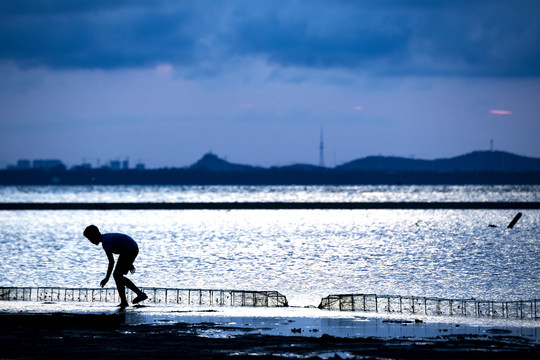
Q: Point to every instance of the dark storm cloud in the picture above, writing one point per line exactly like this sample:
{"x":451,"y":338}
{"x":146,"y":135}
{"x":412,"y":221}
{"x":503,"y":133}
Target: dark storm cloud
{"x":92,"y":36}
{"x":389,"y":37}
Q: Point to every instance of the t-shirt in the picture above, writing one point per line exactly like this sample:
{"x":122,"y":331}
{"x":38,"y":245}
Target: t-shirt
{"x":118,"y":243}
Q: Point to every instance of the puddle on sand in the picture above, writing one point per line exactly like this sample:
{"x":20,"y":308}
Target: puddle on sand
{"x":291,"y":321}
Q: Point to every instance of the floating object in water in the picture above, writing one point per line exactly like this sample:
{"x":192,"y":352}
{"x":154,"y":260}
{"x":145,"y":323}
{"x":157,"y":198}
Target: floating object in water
{"x":514,"y":221}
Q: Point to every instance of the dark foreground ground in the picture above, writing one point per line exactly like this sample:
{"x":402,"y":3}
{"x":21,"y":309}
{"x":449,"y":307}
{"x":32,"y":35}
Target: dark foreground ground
{"x":104,"y":336}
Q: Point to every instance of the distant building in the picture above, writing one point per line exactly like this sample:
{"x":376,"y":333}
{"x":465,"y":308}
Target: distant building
{"x":115,"y":165}
{"x":83,"y":166}
{"x":47,"y":164}
{"x":125,"y":164}
{"x":21,"y":164}
{"x":37,"y":164}
{"x":140,"y":166}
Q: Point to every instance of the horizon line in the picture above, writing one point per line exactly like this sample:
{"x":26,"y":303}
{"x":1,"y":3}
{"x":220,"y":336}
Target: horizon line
{"x":224,"y":158}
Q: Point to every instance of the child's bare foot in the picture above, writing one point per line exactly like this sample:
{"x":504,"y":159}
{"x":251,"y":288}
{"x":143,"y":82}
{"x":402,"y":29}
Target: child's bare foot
{"x":140,"y":298}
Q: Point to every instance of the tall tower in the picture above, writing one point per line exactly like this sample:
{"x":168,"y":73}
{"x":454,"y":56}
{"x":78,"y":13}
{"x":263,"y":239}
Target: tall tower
{"x":321,"y":151}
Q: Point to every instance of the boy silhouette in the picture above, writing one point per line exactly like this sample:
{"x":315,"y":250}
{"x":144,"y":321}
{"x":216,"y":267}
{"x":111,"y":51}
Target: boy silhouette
{"x":127,"y":250}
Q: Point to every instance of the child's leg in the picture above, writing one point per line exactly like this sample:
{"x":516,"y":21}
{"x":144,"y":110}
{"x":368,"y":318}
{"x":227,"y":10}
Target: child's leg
{"x":120,"y":285}
{"x":131,"y":286}
{"x":125,"y":263}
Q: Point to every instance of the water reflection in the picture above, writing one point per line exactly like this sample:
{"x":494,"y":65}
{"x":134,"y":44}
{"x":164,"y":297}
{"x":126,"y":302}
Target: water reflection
{"x":305,"y":255}
{"x":361,"y":193}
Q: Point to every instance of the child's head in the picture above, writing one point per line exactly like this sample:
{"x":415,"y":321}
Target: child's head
{"x":92,"y":233}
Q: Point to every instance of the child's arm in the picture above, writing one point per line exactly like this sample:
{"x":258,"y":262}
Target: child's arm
{"x":109,"y":269}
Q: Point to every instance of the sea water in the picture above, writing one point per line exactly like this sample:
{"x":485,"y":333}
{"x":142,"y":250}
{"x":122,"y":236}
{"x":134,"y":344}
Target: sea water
{"x":239,"y":193}
{"x":303,"y":254}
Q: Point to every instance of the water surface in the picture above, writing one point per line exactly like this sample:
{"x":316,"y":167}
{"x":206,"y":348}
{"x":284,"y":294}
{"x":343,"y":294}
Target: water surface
{"x":304,"y":254}
{"x":360,"y":193}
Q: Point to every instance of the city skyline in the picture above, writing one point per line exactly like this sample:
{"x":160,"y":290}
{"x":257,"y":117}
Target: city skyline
{"x":209,"y":158}
{"x":255,"y":82}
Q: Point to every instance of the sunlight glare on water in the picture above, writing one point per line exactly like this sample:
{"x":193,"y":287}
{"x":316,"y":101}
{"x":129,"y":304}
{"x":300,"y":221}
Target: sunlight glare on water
{"x":304,"y":254}
{"x":342,"y":193}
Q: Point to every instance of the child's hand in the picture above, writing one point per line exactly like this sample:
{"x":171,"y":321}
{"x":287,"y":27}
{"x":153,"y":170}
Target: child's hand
{"x":104,"y":282}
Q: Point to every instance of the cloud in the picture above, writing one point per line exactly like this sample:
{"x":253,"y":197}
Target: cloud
{"x":500,"y":112}
{"x":164,"y":68}
{"x":99,"y":37}
{"x":495,"y":38}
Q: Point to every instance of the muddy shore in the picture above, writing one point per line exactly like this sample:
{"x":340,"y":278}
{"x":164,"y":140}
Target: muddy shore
{"x":104,"y":336}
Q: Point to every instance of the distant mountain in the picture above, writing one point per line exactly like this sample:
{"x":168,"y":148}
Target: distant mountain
{"x":386,"y":163}
{"x":300,"y":167}
{"x":492,"y":161}
{"x":475,"y":161}
{"x":212,"y":162}
{"x":479,"y":167}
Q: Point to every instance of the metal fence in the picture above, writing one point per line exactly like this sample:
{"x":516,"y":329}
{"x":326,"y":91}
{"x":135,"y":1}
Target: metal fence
{"x":155,"y":295}
{"x":522,"y":309}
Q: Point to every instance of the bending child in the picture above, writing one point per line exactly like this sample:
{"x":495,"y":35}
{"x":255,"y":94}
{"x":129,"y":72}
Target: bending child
{"x":127,"y":249}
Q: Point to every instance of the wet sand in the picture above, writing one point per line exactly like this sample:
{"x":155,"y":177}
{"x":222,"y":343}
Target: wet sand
{"x":111,"y":334}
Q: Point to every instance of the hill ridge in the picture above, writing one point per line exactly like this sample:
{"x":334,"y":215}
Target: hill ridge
{"x":474,"y":161}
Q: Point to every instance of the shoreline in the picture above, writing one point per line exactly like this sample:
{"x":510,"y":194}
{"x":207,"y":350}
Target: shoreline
{"x":54,"y":330}
{"x":68,"y":336}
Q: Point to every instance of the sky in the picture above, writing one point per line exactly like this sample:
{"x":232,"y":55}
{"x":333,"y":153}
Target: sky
{"x":164,"y":82}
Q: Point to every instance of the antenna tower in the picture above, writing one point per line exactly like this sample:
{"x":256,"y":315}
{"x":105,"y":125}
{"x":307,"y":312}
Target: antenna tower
{"x":321,"y":151}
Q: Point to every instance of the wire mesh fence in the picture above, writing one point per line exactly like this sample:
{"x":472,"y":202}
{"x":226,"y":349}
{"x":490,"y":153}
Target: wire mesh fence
{"x":522,"y":309}
{"x":155,"y":295}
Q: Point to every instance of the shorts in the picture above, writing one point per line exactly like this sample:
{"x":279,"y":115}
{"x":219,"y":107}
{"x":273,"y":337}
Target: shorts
{"x":125,"y":262}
